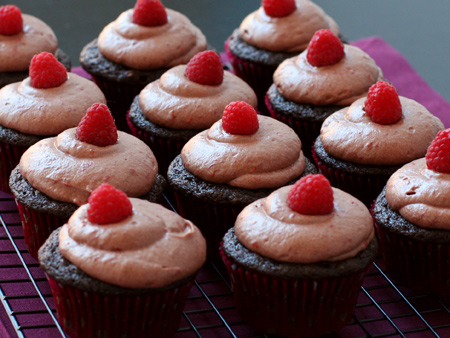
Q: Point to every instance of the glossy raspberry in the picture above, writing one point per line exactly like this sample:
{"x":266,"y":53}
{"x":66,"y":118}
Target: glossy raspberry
{"x":205,"y":68}
{"x":438,"y":153}
{"x":149,"y":13}
{"x":46,"y":71}
{"x":11,"y":22}
{"x":383,"y":104}
{"x":240,"y":118}
{"x":311,"y":195}
{"x":97,"y":126}
{"x":324,"y":49}
{"x":278,"y":8}
{"x":108,"y":205}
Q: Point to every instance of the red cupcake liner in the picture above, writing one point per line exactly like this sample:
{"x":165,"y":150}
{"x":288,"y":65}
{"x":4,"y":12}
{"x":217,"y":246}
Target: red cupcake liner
{"x":366,"y":188}
{"x":119,"y":97}
{"x":164,"y":149}
{"x":213,"y":220}
{"x":293,"y":307}
{"x":88,"y":314}
{"x":258,"y":76}
{"x":37,"y":227}
{"x":421,"y":266}
{"x":306,"y":130}
{"x":9,"y":159}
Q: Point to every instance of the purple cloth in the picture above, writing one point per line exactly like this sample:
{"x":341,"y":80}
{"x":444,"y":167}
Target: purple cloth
{"x":395,"y":68}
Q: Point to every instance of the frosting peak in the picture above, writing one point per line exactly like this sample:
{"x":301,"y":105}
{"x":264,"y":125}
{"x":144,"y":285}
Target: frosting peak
{"x":175,"y":102}
{"x":152,"y":248}
{"x":289,"y":33}
{"x":16,"y":51}
{"x":47,"y":111}
{"x":269,"y":158}
{"x":338,"y":84}
{"x":68,"y":170}
{"x":270,"y":228}
{"x":141,"y":47}
{"x":350,"y":135}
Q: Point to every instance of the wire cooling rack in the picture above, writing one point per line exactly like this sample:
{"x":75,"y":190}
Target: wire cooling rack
{"x":383,"y":309}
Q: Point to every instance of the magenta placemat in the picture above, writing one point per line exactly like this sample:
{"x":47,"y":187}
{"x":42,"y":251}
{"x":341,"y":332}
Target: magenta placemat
{"x":409,"y":84}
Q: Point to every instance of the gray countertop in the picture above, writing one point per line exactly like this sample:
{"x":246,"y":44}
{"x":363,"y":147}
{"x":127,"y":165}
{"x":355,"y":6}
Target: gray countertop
{"x":417,"y":29}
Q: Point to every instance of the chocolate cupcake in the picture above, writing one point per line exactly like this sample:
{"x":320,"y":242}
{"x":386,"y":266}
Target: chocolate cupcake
{"x":323,"y":79}
{"x":40,"y":106}
{"x":18,"y":46}
{"x":412,"y":219}
{"x":125,"y":237}
{"x":136,"y":49}
{"x":271,"y":35}
{"x":303,"y":246}
{"x":242,"y":157}
{"x":56,"y":175}
{"x":184,"y":101}
{"x":361,"y":146}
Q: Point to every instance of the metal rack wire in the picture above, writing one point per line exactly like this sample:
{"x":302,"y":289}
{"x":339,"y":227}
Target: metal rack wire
{"x":383,"y":309}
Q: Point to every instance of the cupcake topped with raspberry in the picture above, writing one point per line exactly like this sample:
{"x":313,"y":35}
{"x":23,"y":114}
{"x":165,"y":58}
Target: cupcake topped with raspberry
{"x":305,"y":236}
{"x":412,"y":218}
{"x":49,"y":101}
{"x":185,"y":100}
{"x":136,"y":236}
{"x":137,"y":255}
{"x":23,"y":36}
{"x":420,"y":190}
{"x":382,"y":129}
{"x":372,"y":138}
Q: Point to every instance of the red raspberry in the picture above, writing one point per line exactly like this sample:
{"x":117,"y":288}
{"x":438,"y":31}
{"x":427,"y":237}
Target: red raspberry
{"x":311,"y":195}
{"x":149,"y":13}
{"x":97,"y":126}
{"x":205,"y":68}
{"x":11,"y":22}
{"x":46,"y":71}
{"x":240,"y":118}
{"x":278,"y":8}
{"x":438,"y":153}
{"x":383,"y":104}
{"x":324,"y":49}
{"x":108,"y":205}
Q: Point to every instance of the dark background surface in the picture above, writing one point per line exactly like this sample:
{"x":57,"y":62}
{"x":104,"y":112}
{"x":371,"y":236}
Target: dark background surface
{"x":420,"y":30}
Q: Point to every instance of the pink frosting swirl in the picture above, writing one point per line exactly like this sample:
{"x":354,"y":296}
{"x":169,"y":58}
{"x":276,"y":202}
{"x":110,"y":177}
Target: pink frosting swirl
{"x":351,"y":135}
{"x":290,"y":33}
{"x":16,"y":51}
{"x":141,"y":47}
{"x":269,"y":158}
{"x":270,"y":228}
{"x":47,"y":111}
{"x":152,"y":248}
{"x":339,"y":84}
{"x":175,"y":102}
{"x":68,"y":170}
{"x":420,"y":195}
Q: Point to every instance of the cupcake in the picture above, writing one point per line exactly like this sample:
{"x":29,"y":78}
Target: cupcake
{"x":278,"y":30}
{"x":121,"y":267}
{"x":325,"y":78}
{"x":297,"y":258}
{"x":361,"y":146}
{"x":44,"y":104}
{"x":241,"y":158}
{"x":412,"y":219}
{"x":56,"y":175}
{"x":21,"y":37}
{"x":136,"y":49}
{"x":184,"y":101}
